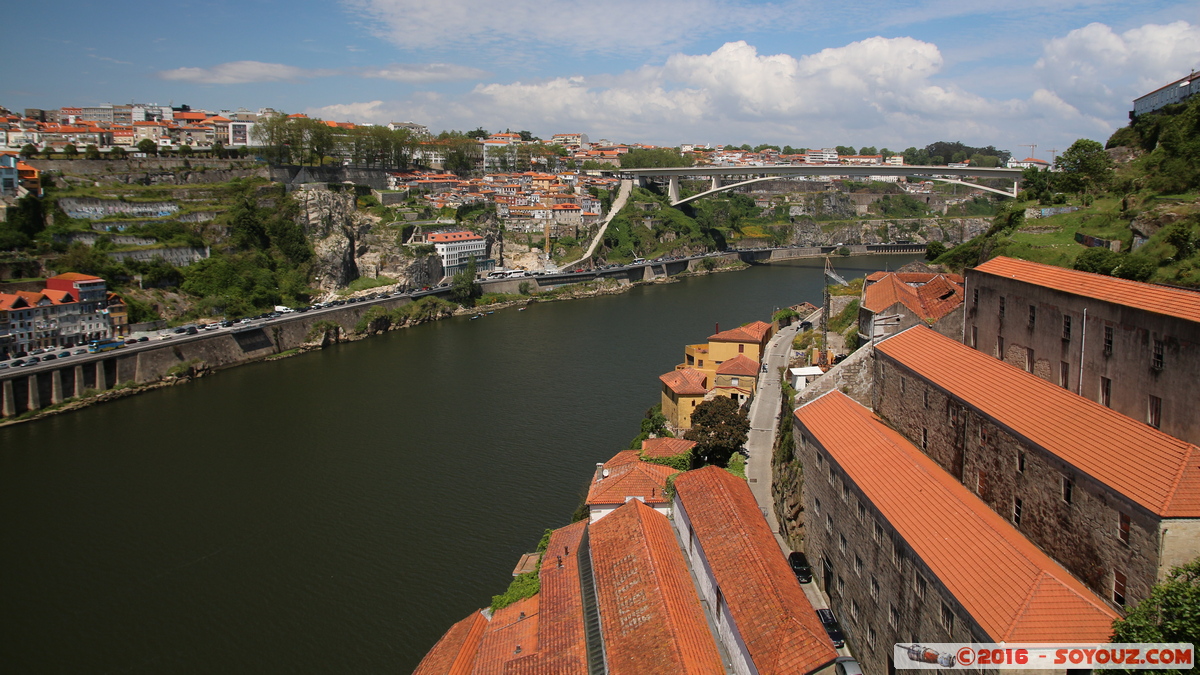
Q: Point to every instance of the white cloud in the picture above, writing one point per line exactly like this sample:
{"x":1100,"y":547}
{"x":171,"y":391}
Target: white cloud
{"x":242,"y":72}
{"x":420,"y":73}
{"x":577,"y":25}
{"x":878,"y":91}
{"x":1100,"y":71}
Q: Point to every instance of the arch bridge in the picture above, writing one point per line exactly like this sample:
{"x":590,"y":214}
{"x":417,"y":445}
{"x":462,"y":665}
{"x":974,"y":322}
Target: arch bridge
{"x":747,"y":175}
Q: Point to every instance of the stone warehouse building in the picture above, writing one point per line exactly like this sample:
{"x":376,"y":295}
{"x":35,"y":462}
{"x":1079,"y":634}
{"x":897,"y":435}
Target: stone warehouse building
{"x":1115,"y":501}
{"x":908,"y":554}
{"x":1130,"y":346}
{"x":894,"y":301}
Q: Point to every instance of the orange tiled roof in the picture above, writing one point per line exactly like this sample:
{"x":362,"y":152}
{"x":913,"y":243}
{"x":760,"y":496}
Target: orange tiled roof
{"x":562,"y":647}
{"x":441,"y":237}
{"x":75,"y":276}
{"x":1158,"y":471}
{"x":1173,"y":302}
{"x":777,"y":623}
{"x":685,"y":382}
{"x":936,"y":297}
{"x":628,"y":476}
{"x":916,"y":277}
{"x":666,"y":447}
{"x":1014,"y":591}
{"x":58,"y":297}
{"x":12,"y":301}
{"x":511,"y":634}
{"x":455,"y":653}
{"x":739,"y":365}
{"x":33,"y":299}
{"x":751,"y":332}
{"x":649,"y":609}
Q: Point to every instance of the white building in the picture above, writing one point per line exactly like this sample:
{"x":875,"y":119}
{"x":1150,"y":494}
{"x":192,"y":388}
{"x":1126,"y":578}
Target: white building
{"x":822,"y":156}
{"x":1175,"y":92}
{"x":456,"y":249}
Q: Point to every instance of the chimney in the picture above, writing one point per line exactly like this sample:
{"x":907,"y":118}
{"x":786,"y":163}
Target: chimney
{"x":718,"y":328}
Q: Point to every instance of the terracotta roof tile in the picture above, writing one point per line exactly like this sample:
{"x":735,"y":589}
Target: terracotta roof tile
{"x":666,"y":447}
{"x":75,"y":276}
{"x":631,"y":477}
{"x":1154,"y":469}
{"x":777,"y":623}
{"x":1173,"y":302}
{"x":649,"y":609}
{"x":12,"y":301}
{"x":58,"y":297}
{"x":510,"y":635}
{"x":685,"y":382}
{"x":751,"y":332}
{"x":933,"y":298}
{"x":455,"y":653}
{"x":1013,"y":590}
{"x":739,"y":365}
{"x":562,"y":647}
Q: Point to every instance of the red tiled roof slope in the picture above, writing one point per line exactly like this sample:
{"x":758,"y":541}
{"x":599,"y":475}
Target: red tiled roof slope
{"x":1164,"y":300}
{"x":1013,"y":590}
{"x":1150,"y":467}
{"x":562,"y":647}
{"x":777,"y":623}
{"x":686,"y":382}
{"x":511,"y":628}
{"x":936,"y":297}
{"x":649,"y":609}
{"x":454,"y":654}
{"x":666,"y":447}
{"x":751,"y":332}
{"x":75,"y":276}
{"x":739,"y":365}
{"x":630,"y":479}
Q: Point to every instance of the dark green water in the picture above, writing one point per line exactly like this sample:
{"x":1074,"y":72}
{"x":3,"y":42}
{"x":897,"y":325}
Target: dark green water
{"x":336,"y":512}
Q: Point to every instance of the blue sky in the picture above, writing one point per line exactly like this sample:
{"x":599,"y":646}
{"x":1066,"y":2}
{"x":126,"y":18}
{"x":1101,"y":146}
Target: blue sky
{"x":889,"y":74}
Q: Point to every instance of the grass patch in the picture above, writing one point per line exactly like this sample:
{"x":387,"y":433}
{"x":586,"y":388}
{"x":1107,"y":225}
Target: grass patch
{"x":363,"y":283}
{"x":737,"y":465}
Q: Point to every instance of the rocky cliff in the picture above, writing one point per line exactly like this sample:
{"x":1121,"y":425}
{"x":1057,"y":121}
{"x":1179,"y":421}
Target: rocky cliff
{"x":349,"y":244}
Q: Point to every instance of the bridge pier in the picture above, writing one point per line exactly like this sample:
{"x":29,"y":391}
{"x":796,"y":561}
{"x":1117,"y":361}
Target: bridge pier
{"x":79,"y":382}
{"x":673,"y":189}
{"x":56,"y":396}
{"x":716,"y":183}
{"x":35,"y":399}
{"x":8,"y":407}
{"x":101,"y":385}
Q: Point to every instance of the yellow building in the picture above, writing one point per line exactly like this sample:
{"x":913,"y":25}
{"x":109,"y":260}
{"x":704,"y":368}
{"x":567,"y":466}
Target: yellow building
{"x":682,"y":391}
{"x":736,"y":378}
{"x":749,"y":341}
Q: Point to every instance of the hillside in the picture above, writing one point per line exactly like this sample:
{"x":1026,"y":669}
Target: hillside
{"x":1129,"y":209}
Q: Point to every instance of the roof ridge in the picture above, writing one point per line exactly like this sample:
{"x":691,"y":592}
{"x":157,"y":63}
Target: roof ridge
{"x":1025,"y":605}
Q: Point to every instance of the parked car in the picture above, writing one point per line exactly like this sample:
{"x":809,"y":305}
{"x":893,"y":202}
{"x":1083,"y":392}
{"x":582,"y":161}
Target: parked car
{"x":847,"y":665}
{"x":49,"y":357}
{"x":3,"y":366}
{"x":800,"y":567}
{"x":143,"y":339}
{"x":191,"y":330}
{"x":131,"y":341}
{"x":81,"y":350}
{"x":33,"y":360}
{"x":64,"y":355}
{"x":832,"y":627}
{"x":18,"y":363}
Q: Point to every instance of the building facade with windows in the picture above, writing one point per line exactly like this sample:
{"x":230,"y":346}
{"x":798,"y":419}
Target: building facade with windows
{"x":1131,"y":346}
{"x":456,"y":249}
{"x":907,"y":554}
{"x":1113,"y":500}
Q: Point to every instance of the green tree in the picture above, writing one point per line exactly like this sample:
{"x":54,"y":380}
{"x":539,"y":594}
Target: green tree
{"x":116,"y":152}
{"x":185,"y":151}
{"x":1098,"y":260}
{"x":148,"y":146}
{"x":70,"y":151}
{"x":1170,"y":614}
{"x":218,"y":150}
{"x":29,"y":217}
{"x":844,"y":150}
{"x":1084,"y":166}
{"x":1135,"y":268}
{"x":28,"y":150}
{"x":720,"y":428}
{"x":464,"y":288}
{"x":868,"y":150}
{"x":91,"y":152}
{"x":934,"y":250}
{"x":478,"y":133}
{"x":1181,"y":237}
{"x":48,"y":151}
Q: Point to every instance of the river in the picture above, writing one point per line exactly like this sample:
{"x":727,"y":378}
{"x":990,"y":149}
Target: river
{"x":338,"y":511}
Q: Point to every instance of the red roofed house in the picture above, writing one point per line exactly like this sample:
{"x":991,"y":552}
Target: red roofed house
{"x":456,"y":250}
{"x":736,"y":378}
{"x":1114,"y":500}
{"x":675,"y":452}
{"x":763,"y":619}
{"x":903,"y":299}
{"x":1130,"y":346}
{"x":651,"y":616}
{"x":749,"y":340}
{"x":626,"y":477}
{"x":905,"y":552}
{"x":682,"y":392}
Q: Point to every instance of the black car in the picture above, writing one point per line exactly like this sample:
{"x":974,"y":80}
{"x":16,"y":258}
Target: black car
{"x":800,"y":567}
{"x":832,"y":627}
{"x":49,"y":357}
{"x":143,"y":339}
